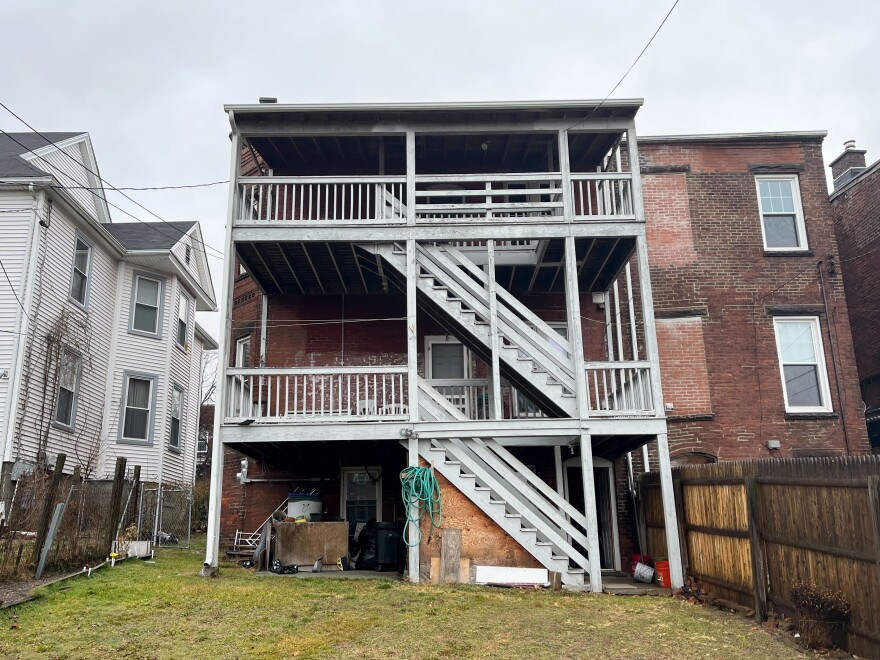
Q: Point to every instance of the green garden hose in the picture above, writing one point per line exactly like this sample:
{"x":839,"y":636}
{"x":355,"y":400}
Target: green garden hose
{"x":421,"y":495}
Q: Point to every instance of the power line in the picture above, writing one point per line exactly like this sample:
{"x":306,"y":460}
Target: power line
{"x":219,"y":254}
{"x":14,"y":293}
{"x":180,"y":187}
{"x":631,"y":66}
{"x":98,"y":176}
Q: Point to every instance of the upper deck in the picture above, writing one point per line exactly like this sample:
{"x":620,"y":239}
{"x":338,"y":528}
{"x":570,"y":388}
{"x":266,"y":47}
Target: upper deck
{"x":438,"y":165}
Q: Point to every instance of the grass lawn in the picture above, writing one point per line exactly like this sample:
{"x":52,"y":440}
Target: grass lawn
{"x":141,"y":610}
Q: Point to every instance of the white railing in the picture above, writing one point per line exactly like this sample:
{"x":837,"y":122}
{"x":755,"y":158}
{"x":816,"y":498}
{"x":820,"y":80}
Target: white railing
{"x":615,"y":388}
{"x":511,"y":197}
{"x":469,"y":395}
{"x":316,"y":394}
{"x":602,"y":195}
{"x":322,"y":200}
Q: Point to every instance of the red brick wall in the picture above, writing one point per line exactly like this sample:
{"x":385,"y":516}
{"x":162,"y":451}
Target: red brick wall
{"x":723,"y":273}
{"x":683,"y":366}
{"x":857,"y":218}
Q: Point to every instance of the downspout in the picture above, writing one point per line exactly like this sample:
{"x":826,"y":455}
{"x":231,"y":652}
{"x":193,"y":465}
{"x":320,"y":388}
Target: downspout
{"x":28,"y":278}
{"x":834,"y":358}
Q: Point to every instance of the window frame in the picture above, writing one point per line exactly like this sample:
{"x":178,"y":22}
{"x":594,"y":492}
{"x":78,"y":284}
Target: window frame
{"x":821,"y":365}
{"x":183,"y":299}
{"x":136,"y":276}
{"x":800,"y":224}
{"x":78,"y":237}
{"x":71,"y":427}
{"x":178,"y":448}
{"x":151,"y":417}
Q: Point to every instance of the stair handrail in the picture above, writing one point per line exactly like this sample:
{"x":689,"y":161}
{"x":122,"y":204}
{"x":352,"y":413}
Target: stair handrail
{"x":509,"y":299}
{"x":439,"y":399}
{"x":521,"y":334}
{"x":463,"y":454}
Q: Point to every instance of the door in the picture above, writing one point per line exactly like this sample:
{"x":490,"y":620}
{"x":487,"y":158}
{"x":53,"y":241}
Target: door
{"x":361,"y":497}
{"x":447,"y":361}
{"x":606,"y":505}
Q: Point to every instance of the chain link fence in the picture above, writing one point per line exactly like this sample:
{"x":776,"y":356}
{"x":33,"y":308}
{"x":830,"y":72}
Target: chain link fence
{"x":165,"y":515}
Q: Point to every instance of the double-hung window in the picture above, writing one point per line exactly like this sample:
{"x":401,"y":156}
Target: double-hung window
{"x":782,"y":216}
{"x":147,"y":301}
{"x":79,"y":281}
{"x":138,"y":411}
{"x":176,"y":417}
{"x":68,"y":385}
{"x":802,"y":365}
{"x":182,"y":320}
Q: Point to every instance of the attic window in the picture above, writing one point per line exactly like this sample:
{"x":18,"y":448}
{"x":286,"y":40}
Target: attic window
{"x":187,"y":253}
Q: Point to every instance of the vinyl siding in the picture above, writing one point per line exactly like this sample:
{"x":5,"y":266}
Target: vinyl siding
{"x":15,"y":227}
{"x":50,"y":300}
{"x":69,"y":174}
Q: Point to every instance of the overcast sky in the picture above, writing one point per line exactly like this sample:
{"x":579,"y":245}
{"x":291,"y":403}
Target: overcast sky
{"x":148,"y":80}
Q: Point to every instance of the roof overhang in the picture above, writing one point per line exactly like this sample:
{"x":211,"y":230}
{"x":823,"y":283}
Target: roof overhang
{"x":209,"y":343}
{"x":784,"y":136}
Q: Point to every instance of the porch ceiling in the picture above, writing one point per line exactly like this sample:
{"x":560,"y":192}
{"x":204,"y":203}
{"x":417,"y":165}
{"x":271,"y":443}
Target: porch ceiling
{"x":310,"y":268}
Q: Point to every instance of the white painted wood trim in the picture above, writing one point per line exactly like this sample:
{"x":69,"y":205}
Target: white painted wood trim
{"x":591,"y":513}
{"x":601,"y":463}
{"x":212,"y":549}
{"x":673,"y":549}
{"x":410,"y":178}
{"x":565,"y":169}
{"x":495,"y":366}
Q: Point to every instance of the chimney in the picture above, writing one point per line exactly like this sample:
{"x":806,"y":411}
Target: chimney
{"x":848,"y":164}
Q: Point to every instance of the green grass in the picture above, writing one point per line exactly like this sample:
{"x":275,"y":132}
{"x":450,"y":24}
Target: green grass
{"x":141,"y":610}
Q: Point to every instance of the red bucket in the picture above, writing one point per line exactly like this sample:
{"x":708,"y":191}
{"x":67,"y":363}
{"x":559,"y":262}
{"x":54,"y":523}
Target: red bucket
{"x":639,"y":559}
{"x":663,"y":578}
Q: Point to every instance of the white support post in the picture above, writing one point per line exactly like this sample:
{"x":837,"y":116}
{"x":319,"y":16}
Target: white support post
{"x":573,"y":305}
{"x":212,"y":549}
{"x":646,"y":459}
{"x":264,"y":317}
{"x":591,"y":513}
{"x":557,"y":461}
{"x":410,"y":177}
{"x":495,"y":367}
{"x":413,"y":391}
{"x":565,"y":176}
{"x":673,"y":549}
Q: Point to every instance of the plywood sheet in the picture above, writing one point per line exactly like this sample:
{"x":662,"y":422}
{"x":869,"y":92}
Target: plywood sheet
{"x":304,"y":543}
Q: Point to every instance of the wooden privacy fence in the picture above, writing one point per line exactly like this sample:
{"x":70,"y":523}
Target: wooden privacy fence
{"x":750,"y":529}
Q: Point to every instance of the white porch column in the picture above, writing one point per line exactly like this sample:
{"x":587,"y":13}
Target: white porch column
{"x":495,"y":366}
{"x":412,"y":357}
{"x":410,"y":177}
{"x":212,"y":549}
{"x":573,"y":305}
{"x":673,"y":549}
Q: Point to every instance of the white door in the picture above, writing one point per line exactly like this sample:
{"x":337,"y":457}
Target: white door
{"x":447,"y":361}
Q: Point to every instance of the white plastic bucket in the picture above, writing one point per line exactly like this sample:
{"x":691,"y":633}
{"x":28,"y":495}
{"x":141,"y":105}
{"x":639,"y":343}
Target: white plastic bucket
{"x":644,"y":573}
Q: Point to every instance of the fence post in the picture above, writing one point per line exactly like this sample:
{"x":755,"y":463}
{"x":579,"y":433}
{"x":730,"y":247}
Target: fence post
{"x":682,"y":519}
{"x":135,"y":494}
{"x":48,"y":506}
{"x":759,"y":581}
{"x":6,"y":488}
{"x":874,"y":499}
{"x":115,"y":501}
{"x":50,"y":539}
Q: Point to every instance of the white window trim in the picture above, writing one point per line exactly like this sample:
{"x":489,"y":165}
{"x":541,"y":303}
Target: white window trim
{"x":151,"y":417}
{"x":76,"y":386}
{"x":430,"y":340}
{"x":136,"y":276}
{"x":798,"y":211}
{"x":821,"y":368}
{"x":178,"y":448}
{"x":183,"y":300}
{"x":87,"y":289}
{"x":239,"y":354}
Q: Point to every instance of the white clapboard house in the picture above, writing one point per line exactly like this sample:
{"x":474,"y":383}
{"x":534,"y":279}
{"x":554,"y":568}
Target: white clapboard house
{"x":100,"y":354}
{"x":463,"y":285}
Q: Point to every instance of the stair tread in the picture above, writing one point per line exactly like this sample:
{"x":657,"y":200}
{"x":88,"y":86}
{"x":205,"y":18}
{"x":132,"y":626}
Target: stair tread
{"x":468,"y":475}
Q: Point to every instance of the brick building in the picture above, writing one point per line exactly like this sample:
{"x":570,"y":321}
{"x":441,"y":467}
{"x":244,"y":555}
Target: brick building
{"x":738,"y":229}
{"x":855,"y":201}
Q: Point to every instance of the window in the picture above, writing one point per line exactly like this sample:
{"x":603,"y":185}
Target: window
{"x":182,"y":320}
{"x":68,"y":384}
{"x":137,"y":413}
{"x":147,"y":299}
{"x":79,"y":281}
{"x":802,"y":365}
{"x":782,"y":218}
{"x":176,"y":417}
{"x":243,"y":352}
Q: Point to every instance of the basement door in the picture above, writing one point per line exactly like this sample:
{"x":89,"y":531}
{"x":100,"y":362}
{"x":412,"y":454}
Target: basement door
{"x":606,"y":505}
{"x":361,"y":497}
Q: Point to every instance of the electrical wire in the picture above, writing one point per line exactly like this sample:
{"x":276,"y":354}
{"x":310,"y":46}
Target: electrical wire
{"x":631,"y":66}
{"x":14,"y":292}
{"x":178,"y":187}
{"x":96,"y":175}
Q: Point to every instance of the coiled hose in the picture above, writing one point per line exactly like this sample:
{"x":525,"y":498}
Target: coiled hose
{"x":421,"y":495}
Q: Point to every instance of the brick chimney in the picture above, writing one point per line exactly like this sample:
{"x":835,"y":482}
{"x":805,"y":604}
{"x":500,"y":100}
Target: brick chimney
{"x":850,"y":159}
